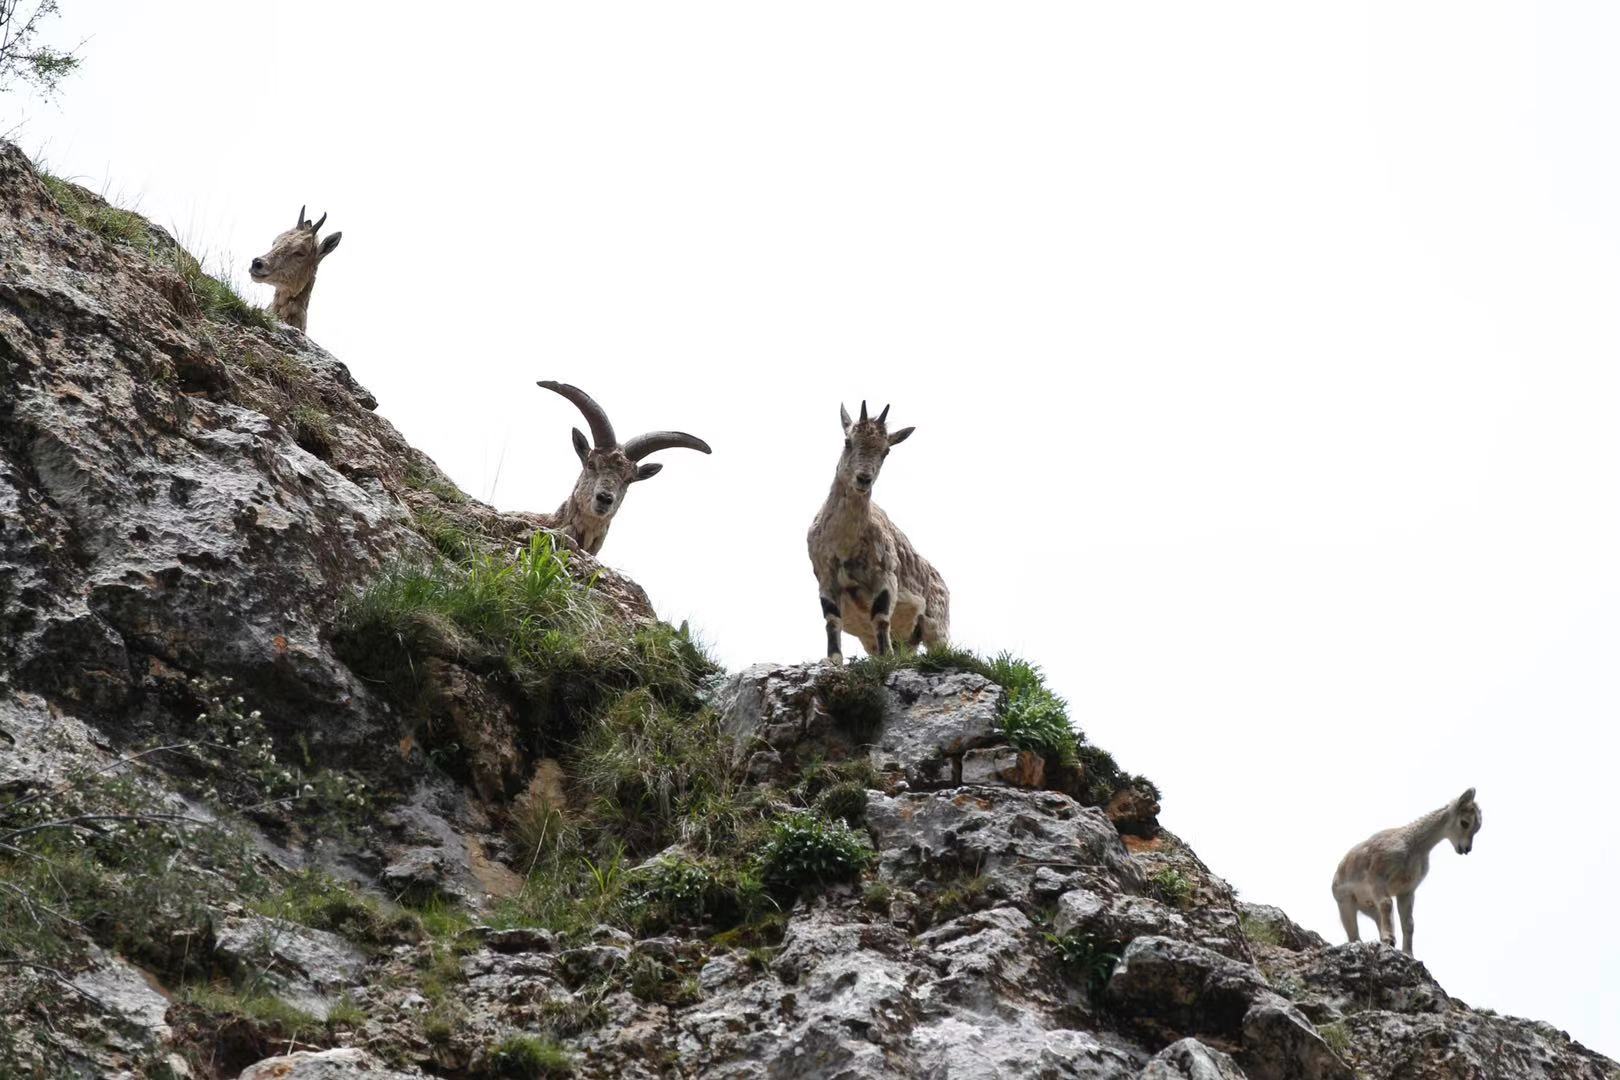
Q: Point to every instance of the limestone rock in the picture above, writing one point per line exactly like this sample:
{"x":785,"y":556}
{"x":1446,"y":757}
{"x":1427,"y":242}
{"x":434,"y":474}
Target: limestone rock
{"x":305,"y":968}
{"x":341,"y":1064}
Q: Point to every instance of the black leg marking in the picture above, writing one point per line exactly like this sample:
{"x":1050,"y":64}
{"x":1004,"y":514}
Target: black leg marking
{"x":829,"y":608}
{"x":917,"y":633}
{"x":835,"y":646}
{"x":880,"y":604}
{"x":884,"y":645}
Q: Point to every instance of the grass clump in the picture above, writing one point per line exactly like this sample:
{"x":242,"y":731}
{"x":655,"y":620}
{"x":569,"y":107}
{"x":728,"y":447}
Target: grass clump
{"x":1337,"y":1036}
{"x":526,"y":1057}
{"x":521,"y":617}
{"x":650,"y":764}
{"x":313,"y":429}
{"x":215,"y":297}
{"x":1172,"y":886}
{"x":806,"y":849}
{"x":95,"y":214}
{"x":322,"y":902}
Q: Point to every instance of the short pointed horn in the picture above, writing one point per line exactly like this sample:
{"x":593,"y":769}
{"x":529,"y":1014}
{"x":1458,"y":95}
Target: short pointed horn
{"x":863,"y":411}
{"x":601,"y":431}
{"x":301,"y":210}
{"x":639,"y":447}
{"x":317,"y":226}
{"x":883,"y":416}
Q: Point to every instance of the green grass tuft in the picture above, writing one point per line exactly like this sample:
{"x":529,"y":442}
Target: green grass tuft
{"x":1172,"y":886}
{"x":525,"y":1057}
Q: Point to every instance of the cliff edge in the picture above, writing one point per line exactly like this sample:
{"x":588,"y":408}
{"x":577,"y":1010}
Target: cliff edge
{"x":312,"y":766}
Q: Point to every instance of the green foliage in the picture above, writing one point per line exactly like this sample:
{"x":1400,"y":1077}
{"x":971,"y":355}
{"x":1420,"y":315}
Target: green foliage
{"x":523,"y":618}
{"x":215,"y":296}
{"x":21,"y":57}
{"x":650,"y":764}
{"x":322,"y":902}
{"x":855,"y":698}
{"x":106,"y":859}
{"x":680,"y":890}
{"x":569,"y":892}
{"x":844,"y":802}
{"x":266,"y":1011}
{"x":958,"y":896}
{"x":524,"y":1057}
{"x":805,"y":849}
{"x":1085,"y":959}
{"x":1259,"y":931}
{"x":655,"y":982}
{"x":97,"y":215}
{"x":1033,"y":717}
{"x":313,"y":430}
{"x":239,"y":767}
{"x":1172,"y":886}
{"x":1337,"y":1036}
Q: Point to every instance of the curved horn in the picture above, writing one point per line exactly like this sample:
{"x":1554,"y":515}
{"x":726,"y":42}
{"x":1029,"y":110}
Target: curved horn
{"x":639,"y":447}
{"x":601,"y":431}
{"x":317,"y":226}
{"x":883,"y":416}
{"x":301,"y":210}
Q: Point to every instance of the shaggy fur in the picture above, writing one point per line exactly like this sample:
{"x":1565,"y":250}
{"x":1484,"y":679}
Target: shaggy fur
{"x":873,"y":583}
{"x":1385,"y":870}
{"x":290,"y":267}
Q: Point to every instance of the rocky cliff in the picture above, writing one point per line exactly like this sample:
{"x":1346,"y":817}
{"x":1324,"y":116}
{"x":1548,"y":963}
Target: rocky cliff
{"x":311,"y":766}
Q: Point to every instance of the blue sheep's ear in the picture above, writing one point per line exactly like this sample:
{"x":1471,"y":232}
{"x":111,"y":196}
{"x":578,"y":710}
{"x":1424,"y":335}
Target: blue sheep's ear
{"x":330,"y":243}
{"x":843,"y":414}
{"x":581,"y":446}
{"x":652,"y":468}
{"x":1466,"y":798}
{"x":901,"y":436}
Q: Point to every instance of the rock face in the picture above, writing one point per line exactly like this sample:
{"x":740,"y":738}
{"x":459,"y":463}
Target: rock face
{"x":184,"y":497}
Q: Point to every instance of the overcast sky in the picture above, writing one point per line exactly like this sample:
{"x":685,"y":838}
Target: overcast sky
{"x":1263,"y":359}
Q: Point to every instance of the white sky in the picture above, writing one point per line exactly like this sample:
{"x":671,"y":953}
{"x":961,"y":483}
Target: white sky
{"x":1263,"y":360}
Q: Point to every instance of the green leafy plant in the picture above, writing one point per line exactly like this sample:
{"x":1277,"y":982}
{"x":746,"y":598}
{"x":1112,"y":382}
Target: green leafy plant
{"x":1085,"y":959}
{"x":1172,"y":886}
{"x":805,"y":849}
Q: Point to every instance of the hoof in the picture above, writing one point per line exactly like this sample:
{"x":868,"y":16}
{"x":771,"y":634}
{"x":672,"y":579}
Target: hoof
{"x":836,"y":659}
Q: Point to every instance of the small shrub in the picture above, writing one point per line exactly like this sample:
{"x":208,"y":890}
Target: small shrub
{"x":524,"y":1057}
{"x":844,"y":802}
{"x":676,"y":890}
{"x":1172,"y":886}
{"x":855,"y":697}
{"x":1085,"y":959}
{"x":805,"y":849}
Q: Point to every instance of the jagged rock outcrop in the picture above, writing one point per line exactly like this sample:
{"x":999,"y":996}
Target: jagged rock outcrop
{"x":186,"y":498}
